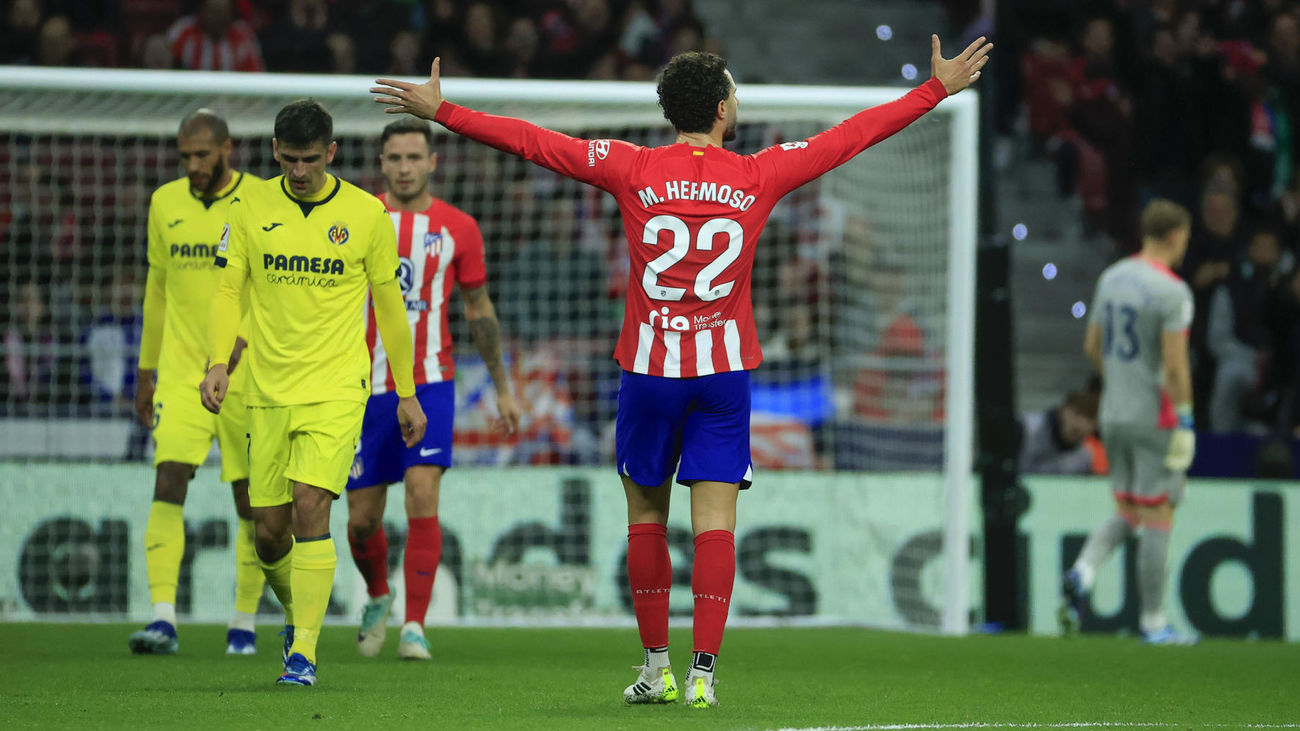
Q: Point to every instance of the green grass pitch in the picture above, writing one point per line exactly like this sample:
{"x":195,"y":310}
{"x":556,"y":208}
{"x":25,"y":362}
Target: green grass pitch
{"x":82,"y":676}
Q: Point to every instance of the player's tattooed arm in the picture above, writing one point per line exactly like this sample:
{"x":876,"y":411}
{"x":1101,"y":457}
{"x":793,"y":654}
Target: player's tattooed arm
{"x":485,"y":329}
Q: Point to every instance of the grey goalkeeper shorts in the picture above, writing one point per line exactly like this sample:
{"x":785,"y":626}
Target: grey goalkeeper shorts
{"x":1137,"y":465}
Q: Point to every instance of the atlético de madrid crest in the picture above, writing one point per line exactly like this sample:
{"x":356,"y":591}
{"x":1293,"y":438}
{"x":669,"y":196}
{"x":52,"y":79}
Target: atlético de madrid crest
{"x":339,"y":234}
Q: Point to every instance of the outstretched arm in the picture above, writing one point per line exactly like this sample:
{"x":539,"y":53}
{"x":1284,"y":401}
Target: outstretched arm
{"x":790,"y":165}
{"x":583,"y":160}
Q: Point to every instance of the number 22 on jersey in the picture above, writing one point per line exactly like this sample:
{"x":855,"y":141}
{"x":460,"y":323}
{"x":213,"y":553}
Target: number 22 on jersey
{"x":704,"y":288}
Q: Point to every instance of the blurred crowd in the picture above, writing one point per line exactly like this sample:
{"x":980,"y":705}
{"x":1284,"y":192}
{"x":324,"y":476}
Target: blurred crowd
{"x":1197,"y":101}
{"x":72,"y":244}
{"x":593,"y":39}
{"x":71,"y":328}
{"x":851,"y":322}
{"x":849,"y":365}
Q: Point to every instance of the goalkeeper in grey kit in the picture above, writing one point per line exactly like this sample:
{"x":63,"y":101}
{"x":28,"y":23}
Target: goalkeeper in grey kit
{"x":1137,"y":340}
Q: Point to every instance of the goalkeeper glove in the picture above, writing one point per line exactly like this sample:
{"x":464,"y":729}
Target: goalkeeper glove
{"x":1182,"y":443}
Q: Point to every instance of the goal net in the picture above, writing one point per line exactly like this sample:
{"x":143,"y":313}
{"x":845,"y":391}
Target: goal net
{"x":861,"y":425}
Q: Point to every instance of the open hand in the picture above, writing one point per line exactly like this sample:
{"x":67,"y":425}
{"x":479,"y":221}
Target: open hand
{"x":958,"y":73}
{"x":403,"y":97}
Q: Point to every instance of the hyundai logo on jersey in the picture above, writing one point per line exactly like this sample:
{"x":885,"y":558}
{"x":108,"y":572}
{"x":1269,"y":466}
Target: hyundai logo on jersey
{"x":405,"y":274}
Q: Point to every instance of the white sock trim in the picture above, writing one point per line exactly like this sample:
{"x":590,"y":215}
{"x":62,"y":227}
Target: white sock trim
{"x":657,"y":658}
{"x":165,"y":612}
{"x":242,"y":620}
{"x":1087,"y":574}
{"x":1153,"y":622}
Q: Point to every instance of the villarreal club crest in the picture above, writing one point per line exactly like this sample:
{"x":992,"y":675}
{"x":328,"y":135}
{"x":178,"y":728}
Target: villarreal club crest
{"x":338,"y":234}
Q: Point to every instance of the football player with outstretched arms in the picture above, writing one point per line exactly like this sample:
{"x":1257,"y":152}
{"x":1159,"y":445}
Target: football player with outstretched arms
{"x":693,"y":212}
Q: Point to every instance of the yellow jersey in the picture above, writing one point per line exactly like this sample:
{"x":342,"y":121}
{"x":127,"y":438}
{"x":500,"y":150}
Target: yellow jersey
{"x":308,"y":266}
{"x":184,"y":231}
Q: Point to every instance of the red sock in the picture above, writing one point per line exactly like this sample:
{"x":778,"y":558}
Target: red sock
{"x":371,"y":558}
{"x":650,"y":575}
{"x":423,"y":553}
{"x":712,"y":576}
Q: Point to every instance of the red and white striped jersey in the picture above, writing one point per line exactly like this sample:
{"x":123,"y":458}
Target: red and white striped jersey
{"x":437,"y":248}
{"x":237,"y":50}
{"x":692,"y":216}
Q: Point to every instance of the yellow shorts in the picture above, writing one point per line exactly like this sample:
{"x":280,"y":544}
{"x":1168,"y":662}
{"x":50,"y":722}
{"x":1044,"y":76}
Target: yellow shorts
{"x":183,"y":430}
{"x":309,"y":443}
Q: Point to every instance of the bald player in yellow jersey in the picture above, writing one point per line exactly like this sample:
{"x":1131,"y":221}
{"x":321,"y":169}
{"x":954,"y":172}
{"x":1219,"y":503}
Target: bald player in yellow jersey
{"x":185,"y":223}
{"x":307,"y":247}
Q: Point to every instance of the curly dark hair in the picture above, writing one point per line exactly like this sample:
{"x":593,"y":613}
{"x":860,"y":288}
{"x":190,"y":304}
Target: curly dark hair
{"x":304,"y":123}
{"x":690,"y":87}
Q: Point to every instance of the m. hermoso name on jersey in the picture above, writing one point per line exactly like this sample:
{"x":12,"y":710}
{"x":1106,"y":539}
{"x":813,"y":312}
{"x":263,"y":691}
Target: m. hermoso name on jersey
{"x":696,"y":190}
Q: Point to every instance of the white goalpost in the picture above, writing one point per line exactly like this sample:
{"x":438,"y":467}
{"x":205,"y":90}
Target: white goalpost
{"x":864,"y":291}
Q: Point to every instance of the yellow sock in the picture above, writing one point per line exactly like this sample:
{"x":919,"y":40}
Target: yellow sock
{"x":313,"y":578}
{"x":164,"y":545}
{"x":278,"y":576}
{"x":249,"y":578}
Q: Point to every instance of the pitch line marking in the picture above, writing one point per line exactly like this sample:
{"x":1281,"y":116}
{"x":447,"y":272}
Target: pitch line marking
{"x":1073,"y":725}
